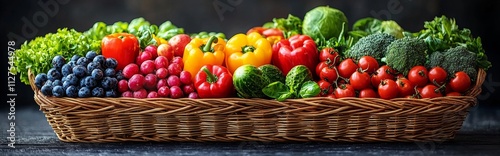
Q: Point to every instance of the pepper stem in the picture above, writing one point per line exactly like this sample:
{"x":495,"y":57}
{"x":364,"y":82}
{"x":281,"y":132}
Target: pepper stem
{"x":247,"y":48}
{"x":208,"y":45}
{"x":211,"y":78}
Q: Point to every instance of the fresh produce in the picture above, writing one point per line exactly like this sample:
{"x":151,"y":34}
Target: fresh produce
{"x":437,"y":75}
{"x":443,"y":33}
{"x":370,"y":25}
{"x":204,"y":34}
{"x":324,"y":22}
{"x":454,"y":60}
{"x":36,"y":55}
{"x":214,"y":81}
{"x":404,"y":53}
{"x":368,"y":64}
{"x":200,"y":52}
{"x":123,"y":47}
{"x":249,"y":80}
{"x":418,"y":75}
{"x":388,"y":89}
{"x":460,"y":82}
{"x":298,"y":84}
{"x":290,"y":26}
{"x":179,"y":42}
{"x":346,"y":68}
{"x":273,"y":35}
{"x":272,"y":73}
{"x":297,"y":50}
{"x":67,"y":78}
{"x":244,"y":49}
{"x":165,"y":50}
{"x":374,"y":45}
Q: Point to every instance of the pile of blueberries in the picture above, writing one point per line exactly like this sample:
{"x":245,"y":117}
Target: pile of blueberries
{"x":91,"y":75}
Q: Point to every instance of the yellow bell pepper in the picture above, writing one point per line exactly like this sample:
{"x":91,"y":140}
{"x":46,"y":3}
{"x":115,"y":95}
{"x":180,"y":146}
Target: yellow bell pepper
{"x":199,"y":52}
{"x":244,"y":49}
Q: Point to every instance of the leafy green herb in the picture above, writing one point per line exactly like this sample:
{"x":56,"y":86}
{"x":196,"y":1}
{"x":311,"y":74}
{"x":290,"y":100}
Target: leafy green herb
{"x":277,"y":90}
{"x":309,"y":89}
{"x":290,"y":26}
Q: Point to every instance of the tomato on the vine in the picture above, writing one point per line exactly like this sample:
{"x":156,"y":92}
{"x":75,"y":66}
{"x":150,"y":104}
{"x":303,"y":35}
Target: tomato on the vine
{"x":328,"y":74}
{"x":460,"y":82}
{"x":418,"y":76}
{"x":322,"y":65}
{"x":344,"y":90}
{"x":430,"y":91}
{"x":405,"y":87}
{"x":326,"y":88}
{"x":360,"y":80}
{"x":437,"y":75}
{"x":383,"y":72}
{"x":388,"y":89}
{"x":331,"y":54}
{"x":368,"y":64}
{"x":346,"y":68}
{"x":367,"y":93}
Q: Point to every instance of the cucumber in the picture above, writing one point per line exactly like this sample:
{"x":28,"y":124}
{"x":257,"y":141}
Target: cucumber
{"x":248,"y":81}
{"x":272,"y":73}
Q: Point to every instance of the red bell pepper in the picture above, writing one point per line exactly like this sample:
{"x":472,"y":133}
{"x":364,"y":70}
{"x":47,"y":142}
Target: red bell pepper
{"x":124,"y":47}
{"x":297,"y":50}
{"x":214,"y":81}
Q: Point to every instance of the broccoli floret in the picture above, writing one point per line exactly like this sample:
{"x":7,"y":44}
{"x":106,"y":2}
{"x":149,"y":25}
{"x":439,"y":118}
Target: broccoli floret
{"x":435,"y":59}
{"x":405,"y":53}
{"x":459,"y":59}
{"x":372,"y":45}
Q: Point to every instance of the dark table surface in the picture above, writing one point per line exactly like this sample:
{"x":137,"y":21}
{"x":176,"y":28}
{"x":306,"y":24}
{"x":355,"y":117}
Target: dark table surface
{"x":480,"y":135}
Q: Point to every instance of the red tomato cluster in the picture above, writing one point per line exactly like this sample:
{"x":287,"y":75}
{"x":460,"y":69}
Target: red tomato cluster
{"x":364,"y":78}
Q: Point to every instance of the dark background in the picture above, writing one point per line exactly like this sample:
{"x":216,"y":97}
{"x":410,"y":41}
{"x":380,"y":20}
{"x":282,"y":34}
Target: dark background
{"x":480,"y":16}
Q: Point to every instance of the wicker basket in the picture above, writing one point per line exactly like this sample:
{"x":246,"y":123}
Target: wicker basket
{"x":238,"y":119}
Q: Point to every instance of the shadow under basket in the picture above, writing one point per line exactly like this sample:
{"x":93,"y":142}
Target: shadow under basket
{"x":237,"y":119}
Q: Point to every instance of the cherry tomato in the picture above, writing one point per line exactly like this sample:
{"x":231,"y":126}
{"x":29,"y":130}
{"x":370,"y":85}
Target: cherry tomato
{"x":346,"y":68}
{"x":384,"y":72}
{"x":360,"y":80}
{"x":454,"y":94}
{"x":368,"y":64}
{"x":418,"y":76}
{"x":460,"y":82}
{"x":437,"y":75}
{"x":405,"y":87}
{"x":344,"y":90}
{"x":320,"y":66}
{"x":329,"y":54}
{"x":368,"y":93}
{"x":430,"y":91}
{"x":328,"y":74}
{"x":326,"y":88}
{"x":388,"y":89}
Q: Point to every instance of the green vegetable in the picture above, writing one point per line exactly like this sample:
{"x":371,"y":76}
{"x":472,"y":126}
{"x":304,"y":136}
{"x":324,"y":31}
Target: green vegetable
{"x":371,"y":25}
{"x":374,"y":45}
{"x":248,"y":81}
{"x":325,"y":22}
{"x":342,"y":43}
{"x":277,"y":90}
{"x":454,"y":60}
{"x":272,"y":73}
{"x":168,"y":30}
{"x":37,"y":54}
{"x":405,"y":53}
{"x":309,"y":89}
{"x":296,"y":77}
{"x":290,"y":26}
{"x":443,"y":33}
{"x":205,"y":34}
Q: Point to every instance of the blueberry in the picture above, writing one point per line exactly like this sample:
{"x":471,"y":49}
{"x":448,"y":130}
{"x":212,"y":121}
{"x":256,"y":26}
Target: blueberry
{"x":47,"y":89}
{"x":93,"y":65}
{"x":84,"y":92}
{"x":90,"y":55}
{"x":97,"y":74}
{"x":79,"y":71}
{"x":109,"y":83}
{"x":82,"y":82}
{"x":58,"y":61}
{"x":72,"y":63}
{"x":54,"y":74}
{"x":40,"y":80}
{"x":58,"y":91}
{"x":100,"y":59}
{"x":82,"y":61}
{"x":90,"y":82}
{"x":111,"y":93}
{"x":109,"y":72}
{"x":111,"y":63}
{"x":98,"y":92}
{"x":66,"y":70}
{"x":57,"y":83}
{"x":72,"y":79}
{"x":119,"y":75}
{"x":75,"y":58}
{"x":65,"y":85}
{"x":72,"y":91}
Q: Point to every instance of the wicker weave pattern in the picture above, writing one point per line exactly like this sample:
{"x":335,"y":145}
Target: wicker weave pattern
{"x":237,"y":119}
